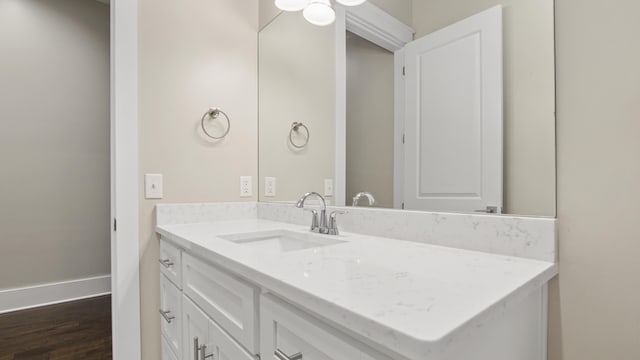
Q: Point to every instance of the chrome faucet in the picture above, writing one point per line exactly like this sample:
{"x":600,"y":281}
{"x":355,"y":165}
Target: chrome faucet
{"x":319,"y":224}
{"x":316,"y":226}
{"x":364,"y":194}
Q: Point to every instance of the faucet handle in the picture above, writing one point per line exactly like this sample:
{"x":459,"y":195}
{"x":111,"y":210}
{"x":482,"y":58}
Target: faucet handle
{"x":333,"y":222}
{"x":314,"y":219}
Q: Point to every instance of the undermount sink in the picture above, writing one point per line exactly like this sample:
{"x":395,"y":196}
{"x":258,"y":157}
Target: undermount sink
{"x":280,"y":241}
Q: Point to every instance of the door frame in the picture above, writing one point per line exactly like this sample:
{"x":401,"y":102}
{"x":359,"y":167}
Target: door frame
{"x":373,"y":24}
{"x":125,"y":271}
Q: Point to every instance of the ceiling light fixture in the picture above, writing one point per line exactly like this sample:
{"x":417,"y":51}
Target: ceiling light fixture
{"x":291,"y":5}
{"x":317,"y":12}
{"x":351,"y":2}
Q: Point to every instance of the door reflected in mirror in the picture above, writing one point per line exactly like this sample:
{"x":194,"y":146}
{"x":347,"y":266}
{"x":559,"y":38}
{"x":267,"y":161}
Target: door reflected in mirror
{"x":459,"y":119}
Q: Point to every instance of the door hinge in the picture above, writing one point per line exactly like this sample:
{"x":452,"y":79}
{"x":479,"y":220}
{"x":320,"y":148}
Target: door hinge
{"x":402,"y":206}
{"x":489,"y":210}
{"x":115,"y":225}
{"x":402,"y":138}
{"x":404,"y":71}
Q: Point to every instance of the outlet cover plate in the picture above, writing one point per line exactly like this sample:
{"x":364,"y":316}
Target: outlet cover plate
{"x":328,"y":187}
{"x":269,"y":186}
{"x":246,"y":188}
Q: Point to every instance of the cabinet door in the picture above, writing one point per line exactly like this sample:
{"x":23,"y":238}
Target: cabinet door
{"x":171,"y":314}
{"x":290,"y":332}
{"x":167,"y":353}
{"x":224,"y":347}
{"x":195,"y":329}
{"x":210,"y":337}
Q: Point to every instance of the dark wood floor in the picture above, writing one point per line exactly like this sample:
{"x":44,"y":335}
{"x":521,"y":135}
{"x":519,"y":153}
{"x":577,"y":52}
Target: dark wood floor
{"x":74,"y":330}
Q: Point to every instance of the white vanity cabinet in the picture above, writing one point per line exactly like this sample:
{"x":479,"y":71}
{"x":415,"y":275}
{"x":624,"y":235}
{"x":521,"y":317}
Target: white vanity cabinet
{"x":289,"y":333}
{"x":229,"y":301}
{"x":208,"y":311}
{"x":171,"y":263}
{"x":167,"y":353}
{"x":170,"y":310}
{"x":204,"y":339}
{"x":171,"y":314}
{"x":217,"y":315}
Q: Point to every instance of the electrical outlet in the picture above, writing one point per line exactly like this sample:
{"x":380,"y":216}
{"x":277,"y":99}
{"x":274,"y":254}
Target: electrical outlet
{"x":328,"y":187}
{"x":153,"y":186}
{"x":245,"y":186}
{"x":270,"y":186}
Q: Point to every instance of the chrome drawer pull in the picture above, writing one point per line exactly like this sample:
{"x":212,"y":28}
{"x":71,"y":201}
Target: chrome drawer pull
{"x":280,"y":355}
{"x":166,"y":263}
{"x":166,"y":316}
{"x":200,"y":349}
{"x":203,"y":351}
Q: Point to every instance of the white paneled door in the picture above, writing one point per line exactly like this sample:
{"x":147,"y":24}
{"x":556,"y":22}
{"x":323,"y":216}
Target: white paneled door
{"x":453,"y":124}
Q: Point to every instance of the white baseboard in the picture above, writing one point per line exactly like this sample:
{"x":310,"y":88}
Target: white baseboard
{"x":54,"y":293}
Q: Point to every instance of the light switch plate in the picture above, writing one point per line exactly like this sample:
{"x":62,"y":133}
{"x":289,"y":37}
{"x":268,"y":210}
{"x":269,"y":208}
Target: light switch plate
{"x":246,"y":189}
{"x":328,"y":187}
{"x":270,"y":186}
{"x":153,"y":186}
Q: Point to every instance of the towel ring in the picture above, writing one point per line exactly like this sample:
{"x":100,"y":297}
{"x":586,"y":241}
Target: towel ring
{"x":214,"y":113}
{"x":295,"y":127}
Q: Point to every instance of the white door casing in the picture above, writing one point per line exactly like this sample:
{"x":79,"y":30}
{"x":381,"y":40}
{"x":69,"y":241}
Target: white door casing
{"x":453,"y":124}
{"x":375,"y":25}
{"x":125,"y":272}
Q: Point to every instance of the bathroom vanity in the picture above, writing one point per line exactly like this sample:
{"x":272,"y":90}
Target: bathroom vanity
{"x":249,"y":281}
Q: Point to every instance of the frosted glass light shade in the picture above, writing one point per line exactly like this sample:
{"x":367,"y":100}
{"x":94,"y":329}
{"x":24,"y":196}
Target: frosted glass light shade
{"x":319,"y":12}
{"x":351,"y":2}
{"x":291,"y":5}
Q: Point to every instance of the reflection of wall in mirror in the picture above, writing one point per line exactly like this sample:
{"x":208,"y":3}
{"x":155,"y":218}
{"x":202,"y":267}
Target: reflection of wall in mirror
{"x":267,"y":11}
{"x":399,"y":9}
{"x":296,"y":84}
{"x":529,"y":90}
{"x":370,"y":121}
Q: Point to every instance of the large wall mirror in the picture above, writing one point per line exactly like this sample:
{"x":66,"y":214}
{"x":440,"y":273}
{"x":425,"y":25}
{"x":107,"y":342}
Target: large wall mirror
{"x":434,"y":105}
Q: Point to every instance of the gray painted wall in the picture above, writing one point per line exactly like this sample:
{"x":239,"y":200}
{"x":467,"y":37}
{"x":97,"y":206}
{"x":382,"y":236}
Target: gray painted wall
{"x":54,"y":141}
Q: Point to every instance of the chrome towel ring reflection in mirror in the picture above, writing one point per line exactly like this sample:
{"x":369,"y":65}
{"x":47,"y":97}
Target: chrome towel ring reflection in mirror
{"x":295,"y":127}
{"x":214,"y":113}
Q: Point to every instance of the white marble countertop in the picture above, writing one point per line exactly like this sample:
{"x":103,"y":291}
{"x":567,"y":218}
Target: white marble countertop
{"x":409,"y":297}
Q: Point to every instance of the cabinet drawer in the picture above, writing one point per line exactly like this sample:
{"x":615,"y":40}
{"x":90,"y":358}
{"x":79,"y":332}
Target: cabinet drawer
{"x":291,"y":331}
{"x":229,"y":301}
{"x":171,"y":314}
{"x":171,"y":262}
{"x":167,"y":353}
